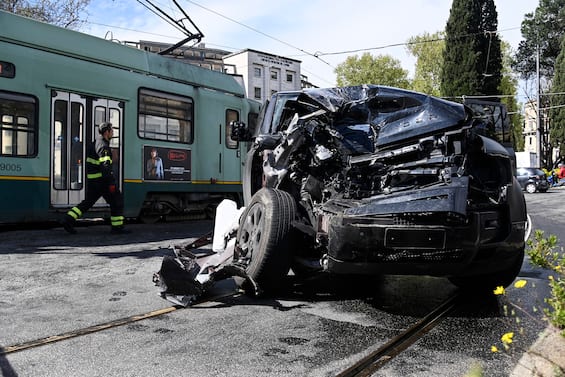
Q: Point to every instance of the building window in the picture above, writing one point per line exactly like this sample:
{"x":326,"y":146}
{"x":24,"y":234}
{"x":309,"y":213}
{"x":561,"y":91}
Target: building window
{"x":289,"y":77}
{"x":18,"y":125}
{"x":274,"y":75}
{"x":164,"y":116}
{"x":257,"y":72}
{"x":257,"y":94}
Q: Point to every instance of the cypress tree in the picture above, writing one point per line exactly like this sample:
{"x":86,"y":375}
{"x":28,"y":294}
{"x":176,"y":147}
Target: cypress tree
{"x":472,"y":56}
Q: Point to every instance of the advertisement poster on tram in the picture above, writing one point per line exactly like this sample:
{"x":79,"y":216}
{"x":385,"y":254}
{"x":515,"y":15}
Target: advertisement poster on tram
{"x":166,"y":164}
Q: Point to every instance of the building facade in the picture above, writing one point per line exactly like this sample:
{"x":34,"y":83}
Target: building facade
{"x":537,"y":138}
{"x":200,"y":55}
{"x":530,"y":131}
{"x":262,"y":74}
{"x":265,"y":74}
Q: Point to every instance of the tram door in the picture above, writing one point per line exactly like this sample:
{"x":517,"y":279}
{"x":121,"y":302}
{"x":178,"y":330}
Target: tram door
{"x":74,"y":123}
{"x":106,"y":110}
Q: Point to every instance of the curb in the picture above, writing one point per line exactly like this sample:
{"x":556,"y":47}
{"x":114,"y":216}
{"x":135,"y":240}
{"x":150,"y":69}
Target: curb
{"x":545,"y":358}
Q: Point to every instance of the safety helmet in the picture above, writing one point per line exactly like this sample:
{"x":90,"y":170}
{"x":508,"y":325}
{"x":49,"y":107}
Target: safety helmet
{"x":103,"y":127}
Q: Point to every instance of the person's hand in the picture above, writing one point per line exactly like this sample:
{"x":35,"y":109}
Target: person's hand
{"x":112,"y":189}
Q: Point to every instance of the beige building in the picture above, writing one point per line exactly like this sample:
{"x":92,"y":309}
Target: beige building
{"x":532,"y":135}
{"x":265,"y":74}
{"x":530,"y":131}
{"x":262,"y":73}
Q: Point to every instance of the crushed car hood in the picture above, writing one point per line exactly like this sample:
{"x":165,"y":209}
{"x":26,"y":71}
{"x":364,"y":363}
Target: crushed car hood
{"x":398,"y":114}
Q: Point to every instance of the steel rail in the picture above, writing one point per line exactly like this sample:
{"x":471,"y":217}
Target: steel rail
{"x":105,"y":326}
{"x":376,"y":359}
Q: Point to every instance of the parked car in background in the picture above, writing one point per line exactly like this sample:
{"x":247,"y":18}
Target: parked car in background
{"x":532,"y":180}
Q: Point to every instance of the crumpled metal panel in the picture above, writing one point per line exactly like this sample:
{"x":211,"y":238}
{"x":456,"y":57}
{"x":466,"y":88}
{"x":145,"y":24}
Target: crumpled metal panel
{"x":399,"y":114}
{"x":449,"y":198}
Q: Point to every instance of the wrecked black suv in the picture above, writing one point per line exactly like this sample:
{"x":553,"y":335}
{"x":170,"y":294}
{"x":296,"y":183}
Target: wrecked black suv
{"x":379,"y":180}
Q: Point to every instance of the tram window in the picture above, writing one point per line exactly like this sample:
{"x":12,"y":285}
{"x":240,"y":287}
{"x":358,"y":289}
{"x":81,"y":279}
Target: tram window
{"x":60,"y":110}
{"x":231,"y":116}
{"x":115,"y":120}
{"x":18,"y":125}
{"x":164,"y":116}
{"x":99,"y":116}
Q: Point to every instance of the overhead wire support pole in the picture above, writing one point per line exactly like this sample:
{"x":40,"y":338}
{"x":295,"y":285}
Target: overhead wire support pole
{"x":539,"y":132}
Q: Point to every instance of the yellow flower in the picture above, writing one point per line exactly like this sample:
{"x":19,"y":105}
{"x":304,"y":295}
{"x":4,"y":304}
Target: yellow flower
{"x":493,"y":349}
{"x":550,"y":277}
{"x":520,"y":284}
{"x":499,"y":290}
{"x":558,"y":267}
{"x":507,"y":338}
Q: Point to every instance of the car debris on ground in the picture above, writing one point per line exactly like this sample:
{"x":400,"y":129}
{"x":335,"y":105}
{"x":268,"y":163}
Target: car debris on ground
{"x":185,"y":276}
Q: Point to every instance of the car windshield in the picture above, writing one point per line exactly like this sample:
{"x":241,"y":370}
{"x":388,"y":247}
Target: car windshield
{"x":530,"y":171}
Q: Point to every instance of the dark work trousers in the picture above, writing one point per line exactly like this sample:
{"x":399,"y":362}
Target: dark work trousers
{"x":95,"y":189}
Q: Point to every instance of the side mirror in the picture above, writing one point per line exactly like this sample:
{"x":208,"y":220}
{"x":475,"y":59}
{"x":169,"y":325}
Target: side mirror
{"x":239,"y":131}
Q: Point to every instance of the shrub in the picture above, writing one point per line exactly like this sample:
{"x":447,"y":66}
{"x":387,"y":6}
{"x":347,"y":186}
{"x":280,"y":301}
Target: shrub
{"x":541,"y":251}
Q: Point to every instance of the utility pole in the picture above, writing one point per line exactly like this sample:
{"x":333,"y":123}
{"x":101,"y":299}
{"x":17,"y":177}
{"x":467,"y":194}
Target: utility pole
{"x":539,"y":131}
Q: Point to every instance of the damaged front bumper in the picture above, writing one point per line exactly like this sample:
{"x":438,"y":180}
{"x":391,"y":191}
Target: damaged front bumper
{"x":424,"y":232}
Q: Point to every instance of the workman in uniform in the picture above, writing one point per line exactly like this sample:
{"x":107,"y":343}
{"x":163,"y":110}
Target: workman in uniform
{"x":100,"y":182}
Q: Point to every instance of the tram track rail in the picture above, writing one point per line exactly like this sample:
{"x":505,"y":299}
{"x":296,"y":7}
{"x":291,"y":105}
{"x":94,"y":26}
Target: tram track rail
{"x":366,"y":366}
{"x":5,"y":350}
{"x":375,"y":360}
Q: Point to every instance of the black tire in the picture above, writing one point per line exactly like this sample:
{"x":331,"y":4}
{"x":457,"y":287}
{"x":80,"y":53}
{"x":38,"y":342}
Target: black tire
{"x":264,"y":237}
{"x":491,"y":281}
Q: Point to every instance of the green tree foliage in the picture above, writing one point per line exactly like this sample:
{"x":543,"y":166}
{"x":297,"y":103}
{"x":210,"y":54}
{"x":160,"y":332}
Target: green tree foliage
{"x":545,"y":27}
{"x":64,"y":13}
{"x":509,"y":88}
{"x":557,"y":112}
{"x":428,"y":50}
{"x":368,"y":69}
{"x":472,"y":57}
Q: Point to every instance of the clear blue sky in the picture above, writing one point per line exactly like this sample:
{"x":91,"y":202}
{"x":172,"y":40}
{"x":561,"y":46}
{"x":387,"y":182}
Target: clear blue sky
{"x":297,"y":29}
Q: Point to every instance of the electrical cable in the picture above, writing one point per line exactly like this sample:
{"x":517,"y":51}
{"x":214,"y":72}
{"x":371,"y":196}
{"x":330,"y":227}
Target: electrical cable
{"x":260,"y":32}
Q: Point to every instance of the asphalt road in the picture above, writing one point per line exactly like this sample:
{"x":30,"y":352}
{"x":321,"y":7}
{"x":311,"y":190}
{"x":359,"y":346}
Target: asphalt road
{"x":54,"y":283}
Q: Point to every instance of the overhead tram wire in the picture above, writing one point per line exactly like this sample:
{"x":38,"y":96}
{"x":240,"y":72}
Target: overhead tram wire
{"x":179,"y":24}
{"x":409,"y":43}
{"x":262,"y":33}
{"x":159,"y":35}
{"x":169,"y":21}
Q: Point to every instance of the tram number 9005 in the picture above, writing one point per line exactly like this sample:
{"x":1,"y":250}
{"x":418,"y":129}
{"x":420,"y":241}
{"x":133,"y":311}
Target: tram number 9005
{"x":10,"y":167}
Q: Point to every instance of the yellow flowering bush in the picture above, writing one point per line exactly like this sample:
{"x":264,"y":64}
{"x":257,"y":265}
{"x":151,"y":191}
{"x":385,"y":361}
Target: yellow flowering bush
{"x":542,"y":254}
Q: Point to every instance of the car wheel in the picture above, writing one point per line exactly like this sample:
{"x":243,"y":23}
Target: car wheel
{"x":264,"y":237}
{"x":489,"y":282}
{"x":530,"y":188}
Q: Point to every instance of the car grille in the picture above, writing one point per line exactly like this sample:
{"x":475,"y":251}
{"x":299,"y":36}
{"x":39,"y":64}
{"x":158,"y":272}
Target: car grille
{"x":411,"y":256}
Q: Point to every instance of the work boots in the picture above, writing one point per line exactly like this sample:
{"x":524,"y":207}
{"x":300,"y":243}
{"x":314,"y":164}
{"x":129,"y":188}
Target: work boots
{"x":67,"y":223}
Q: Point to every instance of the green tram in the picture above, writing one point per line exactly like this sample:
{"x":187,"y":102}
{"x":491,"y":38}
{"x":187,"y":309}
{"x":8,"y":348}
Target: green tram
{"x":57,"y":85}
